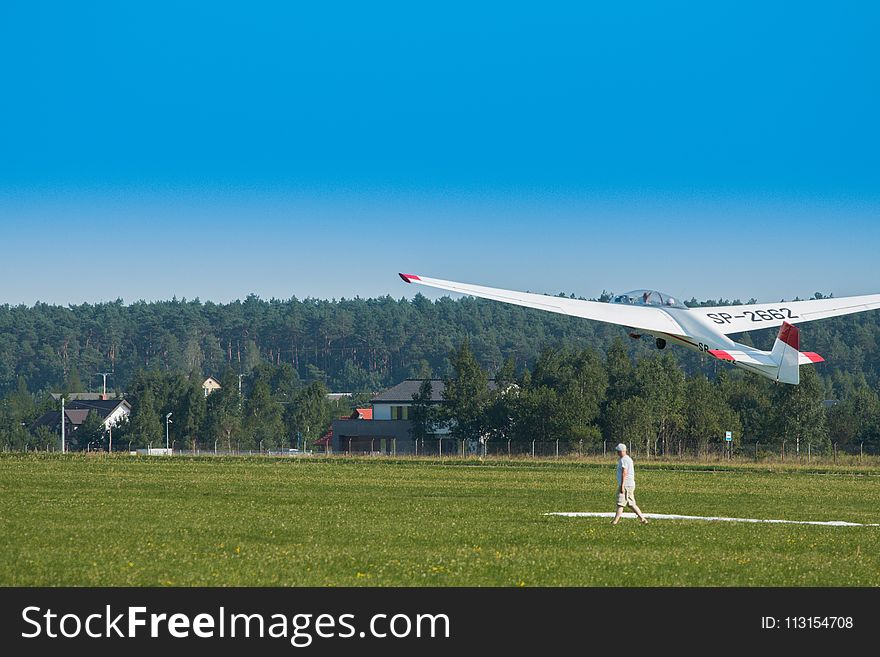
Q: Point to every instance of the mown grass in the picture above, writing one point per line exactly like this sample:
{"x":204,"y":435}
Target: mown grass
{"x":77,"y":520}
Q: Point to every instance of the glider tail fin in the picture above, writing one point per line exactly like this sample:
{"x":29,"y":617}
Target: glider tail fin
{"x":786,"y":354}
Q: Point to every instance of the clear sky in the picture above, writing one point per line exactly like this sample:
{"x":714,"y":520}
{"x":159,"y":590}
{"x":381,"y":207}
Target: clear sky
{"x":316,"y":149}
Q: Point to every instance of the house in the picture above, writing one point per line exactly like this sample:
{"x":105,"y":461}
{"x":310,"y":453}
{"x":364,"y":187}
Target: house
{"x":385,"y":426}
{"x":111,"y":412}
{"x":210,"y":384}
{"x":394,"y":403}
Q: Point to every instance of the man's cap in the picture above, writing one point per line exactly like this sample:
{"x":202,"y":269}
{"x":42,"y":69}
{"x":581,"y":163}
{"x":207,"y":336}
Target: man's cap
{"x":620,"y":447}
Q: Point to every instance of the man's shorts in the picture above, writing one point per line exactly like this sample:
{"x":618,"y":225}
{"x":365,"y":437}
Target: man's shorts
{"x":627,"y":498}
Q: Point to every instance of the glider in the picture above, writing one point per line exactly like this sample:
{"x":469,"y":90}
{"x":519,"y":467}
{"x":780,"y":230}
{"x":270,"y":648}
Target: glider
{"x":703,"y":329}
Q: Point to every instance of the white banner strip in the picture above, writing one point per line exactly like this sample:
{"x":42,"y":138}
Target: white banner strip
{"x":673,"y":516}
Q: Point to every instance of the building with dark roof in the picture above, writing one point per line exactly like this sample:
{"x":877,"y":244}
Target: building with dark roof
{"x":388,"y":430}
{"x":111,"y":412}
{"x":403,"y":392}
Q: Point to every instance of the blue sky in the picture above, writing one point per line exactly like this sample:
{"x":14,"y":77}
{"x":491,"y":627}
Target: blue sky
{"x":215,"y":149}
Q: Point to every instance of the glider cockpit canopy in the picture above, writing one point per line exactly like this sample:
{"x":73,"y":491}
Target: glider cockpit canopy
{"x":648,"y":298}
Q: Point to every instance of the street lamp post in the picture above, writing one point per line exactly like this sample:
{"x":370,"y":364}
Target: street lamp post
{"x":167,"y":422}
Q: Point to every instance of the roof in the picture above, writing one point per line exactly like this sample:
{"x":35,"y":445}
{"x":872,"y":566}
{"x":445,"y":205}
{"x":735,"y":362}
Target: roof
{"x":77,"y":411}
{"x":403,"y":392}
{"x":362,"y":414}
{"x":208,"y":381}
{"x":52,"y":419}
{"x":102,"y":407}
{"x":47,"y":419}
{"x":77,"y":416}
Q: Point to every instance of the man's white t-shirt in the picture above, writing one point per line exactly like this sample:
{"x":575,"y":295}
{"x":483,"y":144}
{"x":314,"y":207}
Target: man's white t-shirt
{"x":626,"y":463}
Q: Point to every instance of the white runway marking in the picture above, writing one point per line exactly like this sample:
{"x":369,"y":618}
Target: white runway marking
{"x":673,"y":516}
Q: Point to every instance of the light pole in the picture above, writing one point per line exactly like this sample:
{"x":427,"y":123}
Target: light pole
{"x":167,"y":422}
{"x":63,"y":447}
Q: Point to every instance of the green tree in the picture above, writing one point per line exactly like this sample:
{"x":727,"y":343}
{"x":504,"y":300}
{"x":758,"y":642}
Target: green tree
{"x":504,"y":408}
{"x":799,"y":416}
{"x":660,"y":385}
{"x":310,"y":412}
{"x":579,"y":382}
{"x":224,"y":410}
{"x":262,"y":420}
{"x":534,"y":418}
{"x":423,"y":412}
{"x":855,"y":420}
{"x":620,"y":371}
{"x":193,"y":411}
{"x":13,"y":432}
{"x":749,"y":397}
{"x":466,"y":394}
{"x":146,"y":427}
{"x":507,"y":374}
{"x":45,"y":438}
{"x":707,"y":415}
{"x":90,"y":434}
{"x":629,"y":421}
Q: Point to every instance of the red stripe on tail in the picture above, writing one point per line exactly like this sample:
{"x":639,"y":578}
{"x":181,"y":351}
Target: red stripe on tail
{"x":813,"y":356}
{"x":790,"y":335}
{"x":409,"y":278}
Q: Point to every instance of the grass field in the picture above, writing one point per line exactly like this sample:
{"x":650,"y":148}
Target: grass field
{"x":77,"y":520}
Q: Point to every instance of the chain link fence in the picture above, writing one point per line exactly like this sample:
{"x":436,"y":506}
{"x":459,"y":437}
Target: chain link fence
{"x":793,"y":452}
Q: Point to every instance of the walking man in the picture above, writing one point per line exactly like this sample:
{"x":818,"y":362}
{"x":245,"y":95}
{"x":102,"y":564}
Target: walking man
{"x":626,"y":486}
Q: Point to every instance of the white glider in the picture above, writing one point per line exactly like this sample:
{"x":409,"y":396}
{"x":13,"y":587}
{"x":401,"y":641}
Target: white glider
{"x":703,"y":329}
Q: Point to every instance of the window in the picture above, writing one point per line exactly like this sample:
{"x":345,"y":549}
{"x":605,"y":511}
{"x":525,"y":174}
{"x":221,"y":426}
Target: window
{"x":400,"y":412}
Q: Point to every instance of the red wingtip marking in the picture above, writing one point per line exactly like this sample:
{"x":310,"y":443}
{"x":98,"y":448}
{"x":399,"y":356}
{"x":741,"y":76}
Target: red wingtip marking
{"x":813,"y":356}
{"x":409,"y":278}
{"x":721,"y":355}
{"x":790,"y":335}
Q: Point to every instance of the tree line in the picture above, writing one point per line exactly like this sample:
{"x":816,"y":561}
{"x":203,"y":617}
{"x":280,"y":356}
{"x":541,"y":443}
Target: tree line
{"x":352,"y":345}
{"x":580,"y":397}
{"x":272,"y":410}
{"x":574,"y":378}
